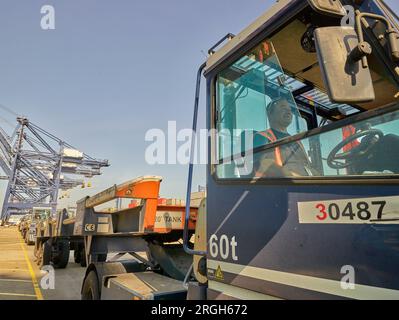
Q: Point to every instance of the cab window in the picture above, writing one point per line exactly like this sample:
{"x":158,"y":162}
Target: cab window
{"x":274,"y":119}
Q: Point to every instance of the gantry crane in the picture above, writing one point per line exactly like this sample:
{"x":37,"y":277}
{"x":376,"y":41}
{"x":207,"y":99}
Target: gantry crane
{"x":35,"y":163}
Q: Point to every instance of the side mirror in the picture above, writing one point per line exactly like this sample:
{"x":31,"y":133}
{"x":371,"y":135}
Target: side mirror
{"x":328,"y":7}
{"x":340,"y":55}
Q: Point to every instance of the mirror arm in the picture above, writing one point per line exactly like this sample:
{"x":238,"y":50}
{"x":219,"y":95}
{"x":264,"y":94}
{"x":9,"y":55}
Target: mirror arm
{"x":358,"y":53}
{"x":364,"y":48}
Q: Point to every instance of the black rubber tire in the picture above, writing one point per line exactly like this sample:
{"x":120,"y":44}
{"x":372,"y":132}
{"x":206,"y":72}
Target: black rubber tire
{"x":60,"y":261}
{"x":90,"y":289}
{"x":83,"y":257}
{"x":77,"y":255}
{"x":45,"y":255}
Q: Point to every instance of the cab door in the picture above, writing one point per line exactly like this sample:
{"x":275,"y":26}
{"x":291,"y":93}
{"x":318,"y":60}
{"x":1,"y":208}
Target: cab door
{"x":328,"y":232}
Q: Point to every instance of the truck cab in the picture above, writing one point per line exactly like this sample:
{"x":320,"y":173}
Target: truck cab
{"x":302,"y":176}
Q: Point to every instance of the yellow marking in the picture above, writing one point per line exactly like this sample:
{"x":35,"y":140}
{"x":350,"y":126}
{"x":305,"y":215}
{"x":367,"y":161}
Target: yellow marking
{"x":16,"y":294}
{"x":32,"y":273}
{"x":15,"y":280}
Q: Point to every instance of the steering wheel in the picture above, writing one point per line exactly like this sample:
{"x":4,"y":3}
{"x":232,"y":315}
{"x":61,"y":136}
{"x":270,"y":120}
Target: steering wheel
{"x":355,"y":153}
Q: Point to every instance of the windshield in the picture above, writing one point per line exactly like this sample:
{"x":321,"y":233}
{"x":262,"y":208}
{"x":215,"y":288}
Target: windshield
{"x":276,"y":92}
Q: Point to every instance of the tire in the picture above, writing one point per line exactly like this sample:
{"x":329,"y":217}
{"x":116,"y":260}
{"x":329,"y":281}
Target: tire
{"x":77,"y":255}
{"x":90,"y":290}
{"x":60,"y":261}
{"x":83,"y":257}
{"x":44,"y":258}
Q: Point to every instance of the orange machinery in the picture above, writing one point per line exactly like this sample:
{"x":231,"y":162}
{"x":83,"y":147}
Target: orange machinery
{"x":149,"y":232}
{"x":146,"y":216}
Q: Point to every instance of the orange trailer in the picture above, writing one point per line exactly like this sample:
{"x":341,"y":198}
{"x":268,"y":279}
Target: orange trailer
{"x":150,"y":231}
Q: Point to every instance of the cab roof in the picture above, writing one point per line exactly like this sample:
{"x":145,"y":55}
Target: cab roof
{"x":278,"y":9}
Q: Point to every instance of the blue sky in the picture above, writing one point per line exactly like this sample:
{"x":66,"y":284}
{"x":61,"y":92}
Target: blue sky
{"x":112,"y":70}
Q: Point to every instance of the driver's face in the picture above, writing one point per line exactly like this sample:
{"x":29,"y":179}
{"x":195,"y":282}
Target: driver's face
{"x":282,"y":114}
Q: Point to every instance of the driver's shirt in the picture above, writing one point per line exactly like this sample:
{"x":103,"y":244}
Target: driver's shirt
{"x":293,"y":154}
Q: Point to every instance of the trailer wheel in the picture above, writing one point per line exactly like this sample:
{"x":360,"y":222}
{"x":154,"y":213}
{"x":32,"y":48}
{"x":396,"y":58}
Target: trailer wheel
{"x":77,"y":255}
{"x":60,"y":261}
{"x":44,"y":255}
{"x":90,"y":290}
{"x":82,"y":252}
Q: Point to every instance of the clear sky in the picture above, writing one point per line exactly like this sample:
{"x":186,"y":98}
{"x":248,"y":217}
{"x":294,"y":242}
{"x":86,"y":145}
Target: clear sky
{"x":110,"y":71}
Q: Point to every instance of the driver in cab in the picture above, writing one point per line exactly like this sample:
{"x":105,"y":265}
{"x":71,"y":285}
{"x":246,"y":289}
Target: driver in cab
{"x":286,"y":160}
{"x":291,"y":159}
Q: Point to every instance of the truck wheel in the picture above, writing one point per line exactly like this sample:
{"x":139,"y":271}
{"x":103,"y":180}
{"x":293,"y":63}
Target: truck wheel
{"x":90,"y":290}
{"x":60,"y":261}
{"x":77,"y":255}
{"x":83,"y":257}
{"x":44,"y":255}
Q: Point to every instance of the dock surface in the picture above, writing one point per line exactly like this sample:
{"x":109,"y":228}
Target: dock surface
{"x":20,"y":277}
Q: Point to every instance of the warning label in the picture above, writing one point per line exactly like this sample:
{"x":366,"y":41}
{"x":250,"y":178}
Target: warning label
{"x":219,"y":273}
